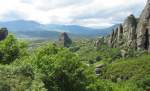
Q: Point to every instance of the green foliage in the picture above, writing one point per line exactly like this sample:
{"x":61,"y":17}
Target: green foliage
{"x":61,"y":69}
{"x":136,"y":70}
{"x":90,"y":53}
{"x":109,"y":54}
{"x":19,"y":79}
{"x":144,"y":83}
{"x":129,"y":68}
{"x":11,"y":49}
{"x":48,"y":67}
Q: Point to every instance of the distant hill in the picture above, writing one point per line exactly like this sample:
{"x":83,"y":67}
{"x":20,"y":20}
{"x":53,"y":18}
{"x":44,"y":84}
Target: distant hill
{"x":79,"y":30}
{"x":32,"y":29}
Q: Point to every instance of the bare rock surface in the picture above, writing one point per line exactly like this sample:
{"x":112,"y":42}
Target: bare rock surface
{"x":133,"y":33}
{"x":3,"y":33}
{"x":64,"y":40}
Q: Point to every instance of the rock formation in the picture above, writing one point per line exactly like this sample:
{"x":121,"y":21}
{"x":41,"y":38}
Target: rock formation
{"x":3,"y":33}
{"x":116,"y":37}
{"x":129,"y":31}
{"x":64,"y":40}
{"x":143,"y":29}
{"x":133,"y":33}
{"x":99,"y":42}
{"x":124,"y":34}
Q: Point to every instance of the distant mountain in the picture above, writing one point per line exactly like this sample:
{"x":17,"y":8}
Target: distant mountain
{"x":78,"y":30}
{"x":32,"y":29}
{"x":21,"y":25}
{"x":28,"y":29}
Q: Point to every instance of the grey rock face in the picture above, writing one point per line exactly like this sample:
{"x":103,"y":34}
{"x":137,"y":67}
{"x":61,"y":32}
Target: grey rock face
{"x":64,"y":40}
{"x":129,"y":31}
{"x":124,"y":34}
{"x":143,"y":29}
{"x":99,"y":42}
{"x":133,"y":33}
{"x":3,"y":33}
{"x":116,"y":37}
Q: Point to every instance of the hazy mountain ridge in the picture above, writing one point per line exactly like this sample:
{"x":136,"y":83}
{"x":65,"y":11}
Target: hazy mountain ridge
{"x":23,"y":28}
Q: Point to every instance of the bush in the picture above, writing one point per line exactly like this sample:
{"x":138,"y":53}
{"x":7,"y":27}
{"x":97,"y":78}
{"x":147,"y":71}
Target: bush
{"x":19,"y":79}
{"x":11,"y":49}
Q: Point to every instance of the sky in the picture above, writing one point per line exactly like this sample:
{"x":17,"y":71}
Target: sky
{"x":89,"y":13}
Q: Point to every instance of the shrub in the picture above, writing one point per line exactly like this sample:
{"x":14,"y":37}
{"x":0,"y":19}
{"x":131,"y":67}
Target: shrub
{"x":11,"y":49}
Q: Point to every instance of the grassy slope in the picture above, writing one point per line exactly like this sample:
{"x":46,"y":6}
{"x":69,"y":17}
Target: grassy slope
{"x":129,"y":68}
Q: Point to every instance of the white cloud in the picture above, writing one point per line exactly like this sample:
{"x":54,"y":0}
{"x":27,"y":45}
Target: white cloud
{"x":91,"y":13}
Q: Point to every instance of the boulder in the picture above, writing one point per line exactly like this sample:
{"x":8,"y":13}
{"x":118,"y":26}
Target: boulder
{"x":99,"y":68}
{"x":123,"y":53}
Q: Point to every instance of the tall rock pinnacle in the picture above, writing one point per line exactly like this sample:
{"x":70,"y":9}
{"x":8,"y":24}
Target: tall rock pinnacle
{"x":125,"y":34}
{"x":64,"y":40}
{"x":129,"y":31}
{"x":134,"y":33}
{"x":143,"y":29}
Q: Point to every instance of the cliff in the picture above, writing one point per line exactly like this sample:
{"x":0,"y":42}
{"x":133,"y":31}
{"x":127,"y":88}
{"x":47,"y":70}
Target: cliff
{"x":133,"y":33}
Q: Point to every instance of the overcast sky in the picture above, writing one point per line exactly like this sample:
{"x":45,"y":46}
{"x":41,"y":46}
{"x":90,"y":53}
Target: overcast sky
{"x":91,"y":13}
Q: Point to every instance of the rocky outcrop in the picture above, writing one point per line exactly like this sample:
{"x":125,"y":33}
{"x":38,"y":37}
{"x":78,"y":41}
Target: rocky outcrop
{"x":116,"y":36}
{"x":143,"y":29}
{"x":133,"y":33}
{"x":3,"y":33}
{"x":129,"y":31}
{"x":99,"y":42}
{"x":64,"y":40}
{"x":124,"y":34}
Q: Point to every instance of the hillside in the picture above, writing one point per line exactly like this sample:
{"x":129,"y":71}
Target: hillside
{"x":82,"y":66}
{"x":78,"y":60}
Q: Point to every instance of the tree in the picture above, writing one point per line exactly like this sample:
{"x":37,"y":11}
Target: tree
{"x":11,"y":49}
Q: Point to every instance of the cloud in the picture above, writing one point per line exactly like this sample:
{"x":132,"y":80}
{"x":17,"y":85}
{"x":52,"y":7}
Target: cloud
{"x":92,"y":13}
{"x":13,"y":15}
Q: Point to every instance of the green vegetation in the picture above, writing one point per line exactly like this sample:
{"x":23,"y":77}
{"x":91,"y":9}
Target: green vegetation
{"x":11,"y":49}
{"x":48,"y":67}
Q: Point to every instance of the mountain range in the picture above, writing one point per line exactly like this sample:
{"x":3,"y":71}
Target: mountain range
{"x":32,"y":29}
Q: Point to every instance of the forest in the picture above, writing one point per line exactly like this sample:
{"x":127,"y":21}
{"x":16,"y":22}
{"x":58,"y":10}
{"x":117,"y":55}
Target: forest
{"x":51,"y":67}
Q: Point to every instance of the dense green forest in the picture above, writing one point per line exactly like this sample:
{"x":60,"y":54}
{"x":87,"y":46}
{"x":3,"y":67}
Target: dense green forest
{"x":50,"y":67}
